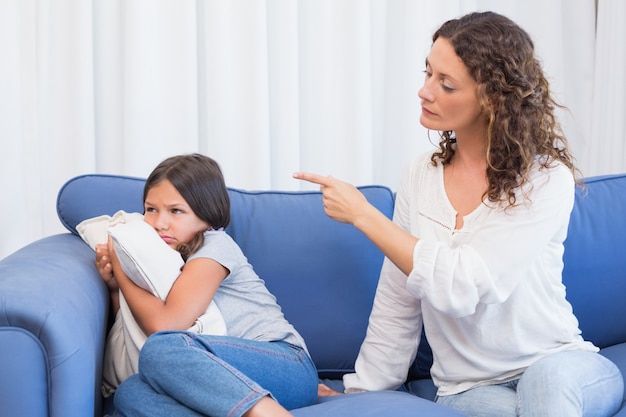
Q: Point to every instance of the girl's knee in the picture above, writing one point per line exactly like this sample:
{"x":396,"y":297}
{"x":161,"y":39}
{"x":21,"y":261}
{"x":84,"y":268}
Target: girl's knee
{"x":155,"y":351}
{"x":126,"y":395}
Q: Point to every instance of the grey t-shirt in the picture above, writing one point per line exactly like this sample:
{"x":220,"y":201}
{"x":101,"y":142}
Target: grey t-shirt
{"x":249,"y":309}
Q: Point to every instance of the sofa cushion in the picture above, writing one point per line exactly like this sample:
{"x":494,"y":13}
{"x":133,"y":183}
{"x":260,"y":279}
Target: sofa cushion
{"x":323,"y":273}
{"x":93,"y":195}
{"x":595,"y":278}
{"x":375,"y":404}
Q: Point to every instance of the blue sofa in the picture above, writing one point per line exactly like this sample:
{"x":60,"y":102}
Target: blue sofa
{"x":54,"y":308}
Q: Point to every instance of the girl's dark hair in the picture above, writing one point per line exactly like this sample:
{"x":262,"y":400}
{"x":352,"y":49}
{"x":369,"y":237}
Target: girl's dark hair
{"x":515,"y":97}
{"x":200,"y":182}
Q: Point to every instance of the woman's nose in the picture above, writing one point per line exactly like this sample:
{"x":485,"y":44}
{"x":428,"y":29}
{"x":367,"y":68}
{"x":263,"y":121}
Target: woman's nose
{"x":425,"y":93}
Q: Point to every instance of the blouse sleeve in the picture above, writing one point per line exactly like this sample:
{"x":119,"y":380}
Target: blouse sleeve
{"x":395,"y":325}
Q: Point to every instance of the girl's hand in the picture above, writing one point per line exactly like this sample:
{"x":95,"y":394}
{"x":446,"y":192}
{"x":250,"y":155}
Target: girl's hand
{"x":343,"y":202}
{"x":104,"y":267}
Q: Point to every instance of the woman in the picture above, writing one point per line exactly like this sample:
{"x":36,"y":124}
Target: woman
{"x":262,"y":368}
{"x":474,"y":252}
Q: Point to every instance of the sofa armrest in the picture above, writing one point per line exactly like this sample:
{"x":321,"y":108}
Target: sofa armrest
{"x":53,"y":322}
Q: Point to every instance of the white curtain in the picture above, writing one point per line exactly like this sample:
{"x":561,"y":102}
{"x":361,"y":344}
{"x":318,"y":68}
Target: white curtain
{"x":604,"y":149}
{"x":266,"y":87}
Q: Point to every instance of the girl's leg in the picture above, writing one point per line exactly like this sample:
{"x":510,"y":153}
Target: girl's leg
{"x":136,"y":398}
{"x":571,"y":384}
{"x":220,"y":376}
{"x":487,"y":401}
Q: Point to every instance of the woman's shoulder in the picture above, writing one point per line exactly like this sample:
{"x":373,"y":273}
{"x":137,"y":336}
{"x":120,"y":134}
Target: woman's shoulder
{"x":423,"y":160}
{"x":421,"y":166}
{"x":552,"y":179}
{"x":551,"y":171}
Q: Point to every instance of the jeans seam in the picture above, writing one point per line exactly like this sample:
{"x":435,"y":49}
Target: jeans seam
{"x":247,"y":402}
{"x":300,"y":351}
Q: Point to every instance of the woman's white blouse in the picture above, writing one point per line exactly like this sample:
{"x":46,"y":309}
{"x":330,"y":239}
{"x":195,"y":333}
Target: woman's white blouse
{"x":489,"y":296}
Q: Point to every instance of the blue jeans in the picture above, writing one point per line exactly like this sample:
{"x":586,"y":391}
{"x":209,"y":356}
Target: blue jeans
{"x":186,"y":374}
{"x":564,"y":384}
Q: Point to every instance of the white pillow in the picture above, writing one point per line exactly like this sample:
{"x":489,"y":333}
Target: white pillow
{"x":94,"y":231}
{"x":151,"y":264}
{"x":147,"y":260}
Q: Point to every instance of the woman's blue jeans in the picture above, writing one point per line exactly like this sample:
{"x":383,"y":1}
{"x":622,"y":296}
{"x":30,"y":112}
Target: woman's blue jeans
{"x":564,"y":384}
{"x":186,"y":374}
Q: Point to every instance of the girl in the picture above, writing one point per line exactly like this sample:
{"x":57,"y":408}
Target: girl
{"x":262,"y":368}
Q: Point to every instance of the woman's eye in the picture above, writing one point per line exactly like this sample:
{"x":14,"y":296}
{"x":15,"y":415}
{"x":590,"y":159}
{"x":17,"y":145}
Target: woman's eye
{"x":446,"y":88}
{"x":149,"y":210}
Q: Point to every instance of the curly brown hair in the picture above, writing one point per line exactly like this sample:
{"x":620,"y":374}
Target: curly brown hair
{"x":515,"y":97}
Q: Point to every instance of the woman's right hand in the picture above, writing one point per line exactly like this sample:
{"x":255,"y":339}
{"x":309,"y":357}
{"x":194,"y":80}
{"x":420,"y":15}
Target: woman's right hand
{"x":342,"y":201}
{"x":104,"y":267}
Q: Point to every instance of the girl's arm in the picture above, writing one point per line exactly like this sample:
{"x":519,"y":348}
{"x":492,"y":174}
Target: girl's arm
{"x":189,"y":297}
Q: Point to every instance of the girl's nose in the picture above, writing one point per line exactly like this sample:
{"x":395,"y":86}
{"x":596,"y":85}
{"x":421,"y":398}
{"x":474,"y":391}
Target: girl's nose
{"x":161,"y":222}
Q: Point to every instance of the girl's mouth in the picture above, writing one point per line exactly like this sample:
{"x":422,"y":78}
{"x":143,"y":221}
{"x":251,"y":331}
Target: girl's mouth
{"x":168,"y":239}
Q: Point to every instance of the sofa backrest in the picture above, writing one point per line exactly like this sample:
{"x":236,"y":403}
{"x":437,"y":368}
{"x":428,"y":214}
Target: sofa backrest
{"x":323,"y":273}
{"x":595,"y":259}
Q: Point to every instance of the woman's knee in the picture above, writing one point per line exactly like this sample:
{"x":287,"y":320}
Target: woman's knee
{"x":490,"y":400}
{"x":579,"y":367}
{"x":580,"y":379}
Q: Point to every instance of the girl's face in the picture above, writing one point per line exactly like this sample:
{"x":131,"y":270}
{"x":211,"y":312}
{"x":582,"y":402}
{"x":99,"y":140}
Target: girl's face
{"x":170,"y":215}
{"x":449,"y":94}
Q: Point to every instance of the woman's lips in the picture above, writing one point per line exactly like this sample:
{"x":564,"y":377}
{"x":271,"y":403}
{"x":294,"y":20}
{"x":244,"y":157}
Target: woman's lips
{"x":427,"y":112}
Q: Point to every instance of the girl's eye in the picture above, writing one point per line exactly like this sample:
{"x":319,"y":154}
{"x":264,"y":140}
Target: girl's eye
{"x":177,"y":211}
{"x":149,"y":210}
{"x":427,"y":74}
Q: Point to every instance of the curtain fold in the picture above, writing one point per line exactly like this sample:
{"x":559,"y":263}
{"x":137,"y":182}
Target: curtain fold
{"x":266,"y":87}
{"x":604,"y":149}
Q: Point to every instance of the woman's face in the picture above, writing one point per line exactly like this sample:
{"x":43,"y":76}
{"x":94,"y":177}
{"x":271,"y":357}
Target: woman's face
{"x":170,"y":215}
{"x":449,"y":95}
